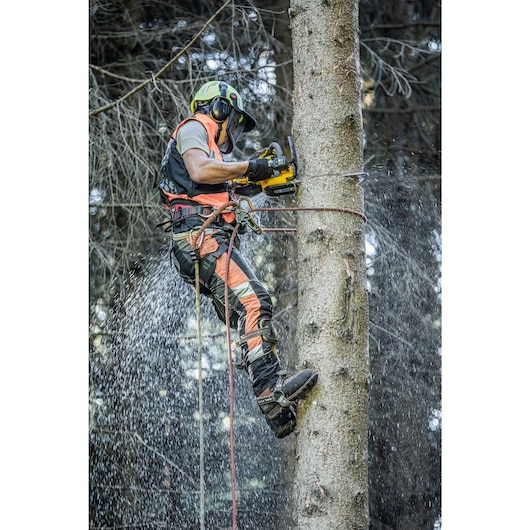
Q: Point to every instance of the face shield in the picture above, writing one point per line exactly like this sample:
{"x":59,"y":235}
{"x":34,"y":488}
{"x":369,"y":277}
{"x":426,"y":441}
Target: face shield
{"x":234,"y":127}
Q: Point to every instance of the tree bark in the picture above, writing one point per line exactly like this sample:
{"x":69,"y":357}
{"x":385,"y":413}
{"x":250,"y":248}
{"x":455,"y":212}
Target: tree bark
{"x":331,"y":478}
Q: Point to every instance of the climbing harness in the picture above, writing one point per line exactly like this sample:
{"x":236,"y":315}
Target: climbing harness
{"x":274,"y":404}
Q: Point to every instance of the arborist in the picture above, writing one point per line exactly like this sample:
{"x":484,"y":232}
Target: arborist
{"x":194,"y":185}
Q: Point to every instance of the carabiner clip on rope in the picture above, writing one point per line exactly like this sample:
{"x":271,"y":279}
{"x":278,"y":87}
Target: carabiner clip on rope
{"x":195,"y":244}
{"x":245,"y":218}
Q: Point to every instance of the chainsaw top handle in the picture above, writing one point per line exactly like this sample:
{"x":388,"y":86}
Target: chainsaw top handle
{"x":274,"y":149}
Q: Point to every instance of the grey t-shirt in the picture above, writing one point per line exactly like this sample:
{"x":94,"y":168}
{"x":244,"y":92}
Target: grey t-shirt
{"x":193,"y":135}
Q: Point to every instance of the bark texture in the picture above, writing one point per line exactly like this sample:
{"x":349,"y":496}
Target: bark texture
{"x":331,"y":484}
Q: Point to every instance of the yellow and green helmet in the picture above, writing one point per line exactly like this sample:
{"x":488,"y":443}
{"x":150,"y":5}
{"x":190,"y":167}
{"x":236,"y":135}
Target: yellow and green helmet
{"x":221,"y":98}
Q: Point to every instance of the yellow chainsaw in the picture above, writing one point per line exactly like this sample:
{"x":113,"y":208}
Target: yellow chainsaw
{"x":283,"y":182}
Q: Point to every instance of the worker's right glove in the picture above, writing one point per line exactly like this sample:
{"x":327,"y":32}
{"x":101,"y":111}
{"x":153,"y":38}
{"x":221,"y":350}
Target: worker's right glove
{"x":259,"y":169}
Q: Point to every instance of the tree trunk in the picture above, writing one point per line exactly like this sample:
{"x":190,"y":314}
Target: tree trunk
{"x":331,"y":478}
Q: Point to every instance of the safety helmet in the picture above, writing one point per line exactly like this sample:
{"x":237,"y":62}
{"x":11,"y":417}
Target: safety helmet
{"x":223,"y":101}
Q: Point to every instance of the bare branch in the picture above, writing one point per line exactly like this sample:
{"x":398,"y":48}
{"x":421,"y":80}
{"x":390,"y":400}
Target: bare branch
{"x":164,"y":68}
{"x":165,"y":458}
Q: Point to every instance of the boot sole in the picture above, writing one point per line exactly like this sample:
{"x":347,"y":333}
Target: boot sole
{"x":273,"y":408}
{"x":305,"y":388}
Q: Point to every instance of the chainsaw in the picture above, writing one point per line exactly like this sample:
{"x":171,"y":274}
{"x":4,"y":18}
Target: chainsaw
{"x":283,"y":182}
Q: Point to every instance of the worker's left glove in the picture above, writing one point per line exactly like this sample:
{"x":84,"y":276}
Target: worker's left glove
{"x":259,"y":169}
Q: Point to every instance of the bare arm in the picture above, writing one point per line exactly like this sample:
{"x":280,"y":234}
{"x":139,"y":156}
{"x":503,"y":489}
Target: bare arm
{"x":205,"y":170}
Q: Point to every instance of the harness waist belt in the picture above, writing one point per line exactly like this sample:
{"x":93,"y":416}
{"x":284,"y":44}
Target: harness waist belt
{"x":179,"y":211}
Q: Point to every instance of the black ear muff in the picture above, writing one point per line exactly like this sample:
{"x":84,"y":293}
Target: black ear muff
{"x":220,"y":106}
{"x":220,"y":109}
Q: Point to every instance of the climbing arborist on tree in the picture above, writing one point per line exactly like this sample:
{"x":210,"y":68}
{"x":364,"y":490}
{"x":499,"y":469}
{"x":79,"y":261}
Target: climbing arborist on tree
{"x":194,"y":186}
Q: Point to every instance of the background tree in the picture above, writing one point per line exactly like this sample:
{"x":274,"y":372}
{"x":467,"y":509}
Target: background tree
{"x":331,"y":474}
{"x":400,"y":53}
{"x":130,"y":42}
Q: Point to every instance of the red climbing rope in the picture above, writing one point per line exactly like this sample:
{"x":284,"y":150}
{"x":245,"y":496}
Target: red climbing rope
{"x":231,"y":381}
{"x":323,"y":209}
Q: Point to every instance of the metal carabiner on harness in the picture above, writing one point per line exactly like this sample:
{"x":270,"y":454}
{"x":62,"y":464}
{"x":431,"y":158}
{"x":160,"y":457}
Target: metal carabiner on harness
{"x":245,"y":218}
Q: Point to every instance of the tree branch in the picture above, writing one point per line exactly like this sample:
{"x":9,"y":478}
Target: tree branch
{"x":408,"y":110}
{"x":165,"y":458}
{"x":435,"y":23}
{"x":163,"y":69}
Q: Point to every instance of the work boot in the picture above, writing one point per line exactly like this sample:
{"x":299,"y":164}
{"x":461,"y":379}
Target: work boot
{"x":279,"y":401}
